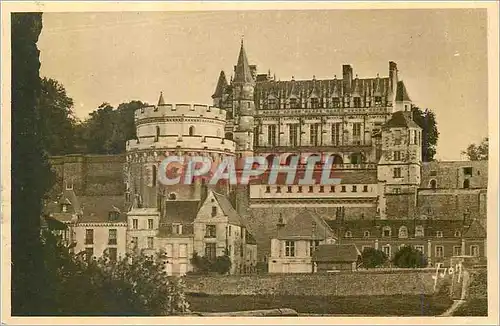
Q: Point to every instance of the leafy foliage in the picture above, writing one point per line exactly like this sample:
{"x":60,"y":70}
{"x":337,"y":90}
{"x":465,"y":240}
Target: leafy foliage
{"x":426,"y":119}
{"x":371,"y":258}
{"x":31,"y":176}
{"x":409,"y":257}
{"x":132,"y":285}
{"x":203,"y":265}
{"x":222,"y":264}
{"x":477,"y":152}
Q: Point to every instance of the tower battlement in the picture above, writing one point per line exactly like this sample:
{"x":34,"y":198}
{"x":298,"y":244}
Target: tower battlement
{"x":180,"y":109}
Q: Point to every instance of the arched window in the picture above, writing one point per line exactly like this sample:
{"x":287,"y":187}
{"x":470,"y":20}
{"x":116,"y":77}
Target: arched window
{"x":466,"y":184}
{"x":348,"y":234}
{"x":172,"y":196}
{"x":191,"y":131}
{"x":157,"y":136}
{"x":229,"y":135}
{"x":458,"y":233}
{"x":366,"y":234}
{"x":403,"y":232}
{"x":386,"y":231}
{"x":433,"y":184}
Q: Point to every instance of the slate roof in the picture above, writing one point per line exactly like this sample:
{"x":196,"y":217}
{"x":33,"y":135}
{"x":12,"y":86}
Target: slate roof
{"x":97,"y":208}
{"x":401,"y":93}
{"x":401,"y":119}
{"x":161,"y":101}
{"x":306,"y":226}
{"x":473,"y":229}
{"x":180,"y":211}
{"x":228,"y":210}
{"x":336,"y":253}
{"x":242,"y":72}
{"x":221,"y":85}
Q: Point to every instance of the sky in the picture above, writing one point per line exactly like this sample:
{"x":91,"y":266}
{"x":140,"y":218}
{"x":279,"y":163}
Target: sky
{"x":117,"y":57}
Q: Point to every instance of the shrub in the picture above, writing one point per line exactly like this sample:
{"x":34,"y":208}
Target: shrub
{"x":409,"y":257}
{"x":222,"y":265}
{"x":371,"y":258}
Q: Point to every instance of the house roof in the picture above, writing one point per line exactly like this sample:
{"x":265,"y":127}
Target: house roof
{"x":97,"y":208}
{"x":401,"y":119}
{"x":305,"y":226}
{"x":401,"y":93}
{"x":336,"y":253}
{"x":228,"y":210}
{"x":181,"y":211}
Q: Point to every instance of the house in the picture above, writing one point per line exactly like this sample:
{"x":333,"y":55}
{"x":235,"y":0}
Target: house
{"x":335,"y":257}
{"x":295,"y":242}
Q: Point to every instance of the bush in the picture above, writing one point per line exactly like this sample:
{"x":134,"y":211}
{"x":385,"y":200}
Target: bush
{"x":371,"y":258}
{"x":222,"y":265}
{"x":132,"y":285}
{"x":409,"y":257}
{"x":203,"y":265}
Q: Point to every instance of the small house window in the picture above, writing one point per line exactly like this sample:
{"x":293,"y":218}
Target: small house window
{"x":268,"y":189}
{"x":474,"y":250}
{"x":419,"y":231}
{"x":135,"y":223}
{"x":439,"y":251}
{"x":289,"y":189}
{"x":343,"y":189}
{"x":177,"y":228}
{"x":354,"y":188}
{"x":397,"y":156}
{"x":403,"y":232}
{"x":150,"y":224}
{"x":210,"y":231}
{"x":397,"y":172}
{"x":348,"y":234}
{"x":112,"y":236}
{"x":466,"y":184}
{"x":113,"y":215}
{"x":365,"y":188}
{"x":311,"y":188}
{"x":299,"y":189}
{"x":191,"y":131}
{"x":439,"y":234}
{"x":458,"y":233}
{"x":64,"y":208}
{"x":366,"y":234}
{"x":332,"y":188}
{"x":290,"y":248}
{"x":468,"y":171}
{"x":214,"y":211}
{"x":386,"y":231}
{"x":433,"y":184}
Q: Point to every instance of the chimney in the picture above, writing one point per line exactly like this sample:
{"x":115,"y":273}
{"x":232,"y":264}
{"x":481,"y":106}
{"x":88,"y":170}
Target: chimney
{"x":347,"y":77}
{"x":393,"y":75}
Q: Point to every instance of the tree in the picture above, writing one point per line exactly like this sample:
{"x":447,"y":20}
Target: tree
{"x":409,"y":257}
{"x":371,"y":258}
{"x":108,"y":129}
{"x":477,"y":152}
{"x":427,"y":121}
{"x":131,"y":285}
{"x":58,"y":123}
{"x":30,"y":172}
{"x":201,"y":264}
{"x":222,"y":265}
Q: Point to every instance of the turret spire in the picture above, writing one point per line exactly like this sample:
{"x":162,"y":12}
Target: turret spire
{"x":221,"y":85}
{"x":161,"y":101}
{"x":242,"y":72}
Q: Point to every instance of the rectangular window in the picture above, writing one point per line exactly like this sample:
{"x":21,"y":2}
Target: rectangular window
{"x":214,"y":211}
{"x":314,"y":134}
{"x":420,"y":248}
{"x":313,"y":245}
{"x":89,"y":236}
{"x":289,"y":189}
{"x":112,"y":236}
{"x":332,"y":188}
{"x":365,"y":188}
{"x":150,"y":242}
{"x":433,"y":173}
{"x":135,"y":242}
{"x":210,"y":231}
{"x":150,"y":224}
{"x":135,"y":224}
{"x":294,"y":104}
{"x":378,"y":100}
{"x":397,"y":172}
{"x":311,"y":189}
{"x":397,"y":156}
{"x":387,"y":250}
{"x":314,"y":103}
{"x":321,"y":188}
{"x":293,"y":134}
{"x":396,"y":190}
{"x":271,"y":103}
{"x":113,"y":253}
{"x":299,"y":189}
{"x":177,"y":228}
{"x":356,"y":129}
{"x":278,"y":189}
{"x":210,"y":251}
{"x":439,"y":234}
{"x":439,"y":252}
{"x":474,"y":250}
{"x":183,"y":251}
{"x":339,"y":212}
{"x":354,"y":188}
{"x":397,"y":137}
{"x":268,"y":189}
{"x":342,"y":189}
{"x":335,"y":102}
{"x":457,"y":250}
{"x":468,"y":171}
{"x":357,"y":102}
{"x":271,"y":135}
{"x":290,"y":248}
{"x":336,"y":133}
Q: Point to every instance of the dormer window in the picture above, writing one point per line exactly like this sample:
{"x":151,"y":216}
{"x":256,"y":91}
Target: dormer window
{"x":386,"y":232}
{"x":69,"y":185}
{"x":403,"y":232}
{"x":348,"y":234}
{"x":335,"y":102}
{"x":366,"y":234}
{"x":294,"y":103}
{"x":113,"y":216}
{"x":357,"y":102}
{"x":314,"y":103}
{"x":378,"y":100}
{"x":458,"y":233}
{"x":64,"y":208}
{"x":439,"y":234}
{"x":419,"y":231}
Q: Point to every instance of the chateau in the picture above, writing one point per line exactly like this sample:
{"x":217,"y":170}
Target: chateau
{"x":387,"y":197}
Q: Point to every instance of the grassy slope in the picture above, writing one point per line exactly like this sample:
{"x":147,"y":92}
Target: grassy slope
{"x":473,"y":307}
{"x":397,"y":305}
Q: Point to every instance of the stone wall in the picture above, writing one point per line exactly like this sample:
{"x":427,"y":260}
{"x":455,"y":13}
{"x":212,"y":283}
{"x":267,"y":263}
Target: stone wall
{"x":339,"y":284}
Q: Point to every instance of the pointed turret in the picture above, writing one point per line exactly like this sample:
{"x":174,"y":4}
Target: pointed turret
{"x":161,"y":101}
{"x":221,"y":85}
{"x":401,"y":93}
{"x":242,"y":72}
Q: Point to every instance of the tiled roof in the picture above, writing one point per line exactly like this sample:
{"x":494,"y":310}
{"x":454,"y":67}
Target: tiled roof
{"x":305,"y":226}
{"x":336,"y":253}
{"x":475,"y":230}
{"x":97,"y":208}
{"x":401,"y":93}
{"x":161,"y":101}
{"x":227,"y":208}
{"x":401,"y":119}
